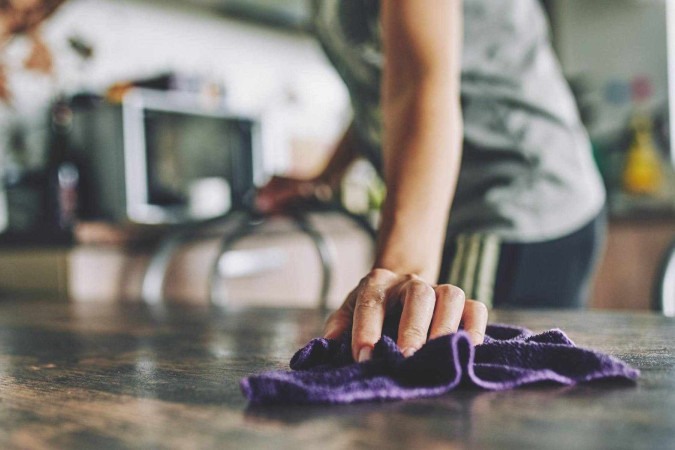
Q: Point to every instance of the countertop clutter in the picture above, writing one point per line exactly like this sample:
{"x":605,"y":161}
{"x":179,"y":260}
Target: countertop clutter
{"x":133,"y":376}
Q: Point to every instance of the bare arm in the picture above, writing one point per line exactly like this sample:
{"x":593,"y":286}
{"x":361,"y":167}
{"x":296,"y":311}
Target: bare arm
{"x":422,"y":149}
{"x":345,"y":153}
{"x":422,"y":131}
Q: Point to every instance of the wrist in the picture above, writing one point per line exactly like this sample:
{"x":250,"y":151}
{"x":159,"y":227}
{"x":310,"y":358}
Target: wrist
{"x":409,"y":246}
{"x":405,"y":266}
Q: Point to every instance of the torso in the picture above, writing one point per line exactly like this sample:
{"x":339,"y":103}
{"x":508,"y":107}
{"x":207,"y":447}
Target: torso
{"x":527,"y":172}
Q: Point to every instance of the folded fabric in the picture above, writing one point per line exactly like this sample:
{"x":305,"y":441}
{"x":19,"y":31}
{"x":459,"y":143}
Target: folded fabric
{"x":324,"y":371}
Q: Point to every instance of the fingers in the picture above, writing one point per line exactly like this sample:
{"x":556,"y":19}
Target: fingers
{"x":337,"y":324}
{"x":427,"y":311}
{"x":280,"y":192}
{"x":475,"y":319}
{"x":369,"y":311}
{"x":368,"y":319}
{"x":418,"y":300}
{"x":450,"y":302}
{"x":340,"y":321}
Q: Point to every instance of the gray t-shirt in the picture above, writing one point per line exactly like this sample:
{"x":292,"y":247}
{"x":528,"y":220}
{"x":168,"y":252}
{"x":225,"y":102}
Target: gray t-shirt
{"x":527,"y":172}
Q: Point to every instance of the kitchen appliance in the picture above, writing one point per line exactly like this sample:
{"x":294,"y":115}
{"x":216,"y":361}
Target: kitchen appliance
{"x":163,"y":157}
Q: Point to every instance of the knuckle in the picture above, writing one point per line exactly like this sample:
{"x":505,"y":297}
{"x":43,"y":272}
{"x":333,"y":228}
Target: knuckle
{"x":443,"y":330}
{"x":365,"y":307}
{"x":413,"y":334}
{"x":412,"y":277}
{"x":477,"y":336}
{"x":478,"y":307}
{"x":444,"y":290}
{"x":419,"y":290}
{"x":450,"y":291}
{"x":369,"y":301}
{"x":363,"y":283}
{"x":378,"y":275}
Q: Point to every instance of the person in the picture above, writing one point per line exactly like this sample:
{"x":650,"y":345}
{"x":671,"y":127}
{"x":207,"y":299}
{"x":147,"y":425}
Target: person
{"x":492,"y":193}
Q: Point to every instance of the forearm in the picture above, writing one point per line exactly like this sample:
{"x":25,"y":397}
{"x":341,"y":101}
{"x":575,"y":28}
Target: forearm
{"x":345,"y":153}
{"x":420,"y":185}
{"x":422,"y":151}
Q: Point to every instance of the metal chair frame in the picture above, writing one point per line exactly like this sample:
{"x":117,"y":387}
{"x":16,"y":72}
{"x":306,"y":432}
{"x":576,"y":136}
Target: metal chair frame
{"x":152,"y":290}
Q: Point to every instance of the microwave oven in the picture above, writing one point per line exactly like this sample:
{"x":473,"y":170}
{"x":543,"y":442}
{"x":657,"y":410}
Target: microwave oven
{"x":163,"y":157}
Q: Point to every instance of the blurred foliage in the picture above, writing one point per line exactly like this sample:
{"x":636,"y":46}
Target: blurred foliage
{"x":23,"y":18}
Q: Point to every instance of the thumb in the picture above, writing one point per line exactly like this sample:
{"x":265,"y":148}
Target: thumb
{"x":337,"y":323}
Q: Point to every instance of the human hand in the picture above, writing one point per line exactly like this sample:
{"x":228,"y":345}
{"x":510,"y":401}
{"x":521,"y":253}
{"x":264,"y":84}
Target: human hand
{"x":428,"y":310}
{"x":281,"y":192}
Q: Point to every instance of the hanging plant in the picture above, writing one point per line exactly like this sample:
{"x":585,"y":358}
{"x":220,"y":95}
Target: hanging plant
{"x":23,"y":18}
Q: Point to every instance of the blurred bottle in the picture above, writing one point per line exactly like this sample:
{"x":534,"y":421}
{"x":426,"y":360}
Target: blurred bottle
{"x":63,"y":175}
{"x":643,"y":172}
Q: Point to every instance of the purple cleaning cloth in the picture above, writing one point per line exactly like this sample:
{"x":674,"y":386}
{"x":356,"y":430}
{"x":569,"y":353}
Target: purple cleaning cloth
{"x":324,"y":371}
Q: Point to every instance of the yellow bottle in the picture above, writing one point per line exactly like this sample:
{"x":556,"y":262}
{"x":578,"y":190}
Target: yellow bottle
{"x":643,"y":174}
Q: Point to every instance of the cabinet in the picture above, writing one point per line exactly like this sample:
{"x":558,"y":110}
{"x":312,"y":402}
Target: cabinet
{"x":627,"y":272}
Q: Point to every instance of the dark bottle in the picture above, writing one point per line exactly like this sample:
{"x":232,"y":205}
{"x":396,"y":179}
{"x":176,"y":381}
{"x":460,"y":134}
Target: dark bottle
{"x":63,"y":176}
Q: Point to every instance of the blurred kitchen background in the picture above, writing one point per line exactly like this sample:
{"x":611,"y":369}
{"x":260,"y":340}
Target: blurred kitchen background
{"x":134,"y":132}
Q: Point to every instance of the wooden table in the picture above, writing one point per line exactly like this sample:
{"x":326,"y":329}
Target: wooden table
{"x":127,"y":376}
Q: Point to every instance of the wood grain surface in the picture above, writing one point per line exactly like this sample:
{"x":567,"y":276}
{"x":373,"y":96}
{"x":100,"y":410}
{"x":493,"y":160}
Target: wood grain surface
{"x":129,"y":376}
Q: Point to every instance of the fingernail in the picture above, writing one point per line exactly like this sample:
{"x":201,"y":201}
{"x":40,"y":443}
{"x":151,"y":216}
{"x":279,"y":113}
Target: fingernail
{"x":365,"y":353}
{"x":408,"y":352}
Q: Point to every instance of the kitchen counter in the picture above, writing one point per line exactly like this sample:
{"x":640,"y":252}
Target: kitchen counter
{"x":101,"y":375}
{"x":274,"y":265}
